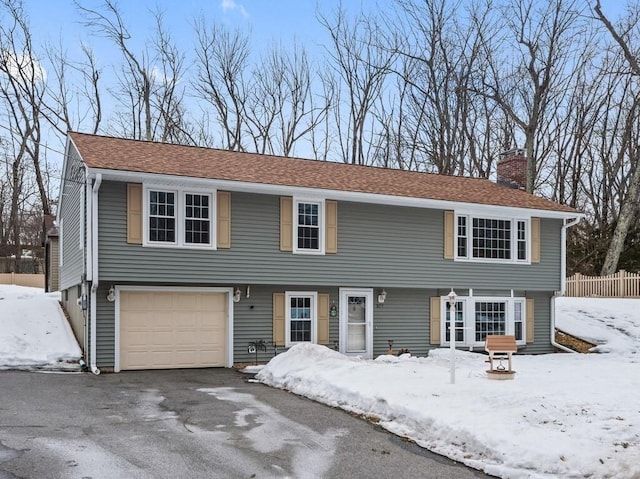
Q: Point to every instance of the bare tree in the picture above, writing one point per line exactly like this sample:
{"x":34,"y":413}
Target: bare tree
{"x":527,"y":90}
{"x":629,"y":204}
{"x":222,"y":60}
{"x":74,"y":100}
{"x":21,"y":91}
{"x":363,"y":67}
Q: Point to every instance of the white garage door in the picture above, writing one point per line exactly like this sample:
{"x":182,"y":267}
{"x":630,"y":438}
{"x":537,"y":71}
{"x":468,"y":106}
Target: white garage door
{"x":172,"y":329}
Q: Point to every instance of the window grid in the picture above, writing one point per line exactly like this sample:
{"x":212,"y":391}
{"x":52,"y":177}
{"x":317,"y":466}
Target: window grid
{"x":197,"y":219}
{"x":462,"y":236}
{"x":491,"y":238}
{"x":518,"y":321}
{"x":490,"y":318}
{"x":522,"y":241}
{"x":459,"y":321}
{"x":162,"y":216}
{"x":300,"y":314}
{"x":308,"y":226}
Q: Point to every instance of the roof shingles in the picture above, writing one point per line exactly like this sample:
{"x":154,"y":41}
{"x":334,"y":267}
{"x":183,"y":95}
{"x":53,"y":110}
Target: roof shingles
{"x":167,"y":159}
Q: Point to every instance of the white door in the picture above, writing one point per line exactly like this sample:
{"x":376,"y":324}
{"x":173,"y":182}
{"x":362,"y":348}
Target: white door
{"x":356,"y":322}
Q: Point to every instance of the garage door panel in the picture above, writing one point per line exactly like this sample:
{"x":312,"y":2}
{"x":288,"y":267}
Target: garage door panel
{"x":172,"y":329}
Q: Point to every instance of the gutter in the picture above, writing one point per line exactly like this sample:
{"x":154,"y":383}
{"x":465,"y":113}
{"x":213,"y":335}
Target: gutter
{"x":563,"y":280}
{"x":94,"y":270}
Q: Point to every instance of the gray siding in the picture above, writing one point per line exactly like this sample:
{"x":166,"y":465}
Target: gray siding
{"x":377,"y":245}
{"x":77,"y":317}
{"x":72,"y":268}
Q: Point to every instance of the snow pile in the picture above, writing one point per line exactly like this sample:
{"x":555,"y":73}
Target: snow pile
{"x":33,"y":330}
{"x":613,"y":324}
{"x":564,"y":415}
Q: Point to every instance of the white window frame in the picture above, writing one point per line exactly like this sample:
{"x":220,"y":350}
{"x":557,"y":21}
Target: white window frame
{"x":469,"y":320}
{"x":321,"y":222}
{"x":314,"y":315}
{"x":210,"y":219}
{"x":513,"y":240}
{"x":180,"y":215}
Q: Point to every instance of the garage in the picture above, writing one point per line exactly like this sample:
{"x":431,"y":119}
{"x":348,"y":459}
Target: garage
{"x":165,"y":329}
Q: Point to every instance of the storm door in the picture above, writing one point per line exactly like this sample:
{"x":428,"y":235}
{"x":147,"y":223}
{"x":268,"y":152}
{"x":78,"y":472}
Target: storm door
{"x":356,"y":322}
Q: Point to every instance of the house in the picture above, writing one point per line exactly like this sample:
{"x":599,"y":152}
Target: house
{"x":177,"y":256}
{"x":51,"y":256}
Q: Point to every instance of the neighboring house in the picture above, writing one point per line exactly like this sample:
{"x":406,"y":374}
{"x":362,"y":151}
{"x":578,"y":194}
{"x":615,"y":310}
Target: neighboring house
{"x":51,"y":253}
{"x":177,"y":256}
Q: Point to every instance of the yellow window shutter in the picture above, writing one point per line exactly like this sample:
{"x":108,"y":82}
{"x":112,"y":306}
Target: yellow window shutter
{"x":223,"y":220}
{"x":278,"y":319}
{"x":530,"y":316}
{"x":535,"y":240}
{"x":435,"y":320}
{"x":134,"y":213}
{"x":331,"y":228}
{"x":449,"y":227}
{"x":286,"y":223}
{"x":323,"y":318}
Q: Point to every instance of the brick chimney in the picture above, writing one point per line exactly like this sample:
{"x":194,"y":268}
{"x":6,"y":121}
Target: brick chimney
{"x":512,"y":169}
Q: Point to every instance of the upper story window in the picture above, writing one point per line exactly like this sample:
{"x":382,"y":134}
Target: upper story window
{"x":492,"y":239}
{"x":178,"y":218}
{"x":162,"y":216}
{"x":197,"y":227}
{"x":308,"y":227}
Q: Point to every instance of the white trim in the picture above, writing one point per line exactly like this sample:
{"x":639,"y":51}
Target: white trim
{"x":344,"y":316}
{"x":176,"y":289}
{"x":179,"y":209}
{"x":287,"y":315}
{"x":468,"y":317}
{"x":321,"y":225}
{"x":340,"y":195}
{"x":513,"y":240}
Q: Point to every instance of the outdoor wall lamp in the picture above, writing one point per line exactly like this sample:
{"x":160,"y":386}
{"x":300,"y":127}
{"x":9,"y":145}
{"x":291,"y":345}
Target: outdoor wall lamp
{"x":382,"y":296}
{"x":111,"y":295}
{"x":236,"y":295}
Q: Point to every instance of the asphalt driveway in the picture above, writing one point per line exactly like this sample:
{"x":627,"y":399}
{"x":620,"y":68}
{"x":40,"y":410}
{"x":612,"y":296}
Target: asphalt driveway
{"x":204,"y":423}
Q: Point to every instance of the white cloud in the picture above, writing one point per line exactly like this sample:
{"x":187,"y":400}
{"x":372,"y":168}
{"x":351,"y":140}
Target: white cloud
{"x":22,"y":67}
{"x":232,"y":5}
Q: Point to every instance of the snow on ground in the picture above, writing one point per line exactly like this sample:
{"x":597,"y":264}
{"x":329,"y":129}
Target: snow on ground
{"x":564,"y":415}
{"x":612,"y":324}
{"x":34,"y":334}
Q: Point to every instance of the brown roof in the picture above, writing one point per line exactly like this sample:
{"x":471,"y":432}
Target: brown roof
{"x":189,"y":161}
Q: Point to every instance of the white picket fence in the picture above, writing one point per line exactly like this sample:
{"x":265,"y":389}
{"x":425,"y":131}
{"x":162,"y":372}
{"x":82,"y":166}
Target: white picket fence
{"x":618,"y":285}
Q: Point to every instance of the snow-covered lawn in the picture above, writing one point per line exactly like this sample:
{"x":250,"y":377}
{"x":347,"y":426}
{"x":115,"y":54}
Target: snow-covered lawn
{"x":564,"y":415}
{"x":34,"y":332}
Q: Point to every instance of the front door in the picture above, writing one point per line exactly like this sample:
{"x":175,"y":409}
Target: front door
{"x":356,"y":322}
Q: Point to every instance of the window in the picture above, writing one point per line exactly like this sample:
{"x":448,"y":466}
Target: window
{"x":179,"y":218}
{"x":162,"y":217}
{"x":301,"y":317}
{"x":492,"y":239}
{"x":480,"y":316}
{"x":197,"y":219}
{"x":459,"y":322}
{"x":308,"y":227}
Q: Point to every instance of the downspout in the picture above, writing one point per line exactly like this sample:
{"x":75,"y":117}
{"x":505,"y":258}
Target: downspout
{"x":94,"y":270}
{"x":563,"y":281}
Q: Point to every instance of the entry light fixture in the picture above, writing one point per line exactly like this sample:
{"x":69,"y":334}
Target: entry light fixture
{"x":236,"y":295}
{"x":382,"y":295}
{"x":111,"y":296}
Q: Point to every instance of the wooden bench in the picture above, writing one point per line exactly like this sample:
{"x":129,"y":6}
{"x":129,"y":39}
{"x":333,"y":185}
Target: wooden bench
{"x":500,"y":347}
